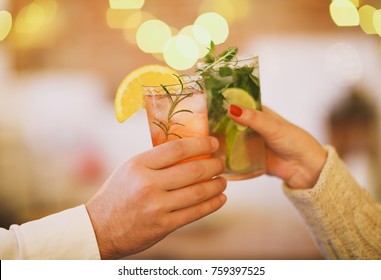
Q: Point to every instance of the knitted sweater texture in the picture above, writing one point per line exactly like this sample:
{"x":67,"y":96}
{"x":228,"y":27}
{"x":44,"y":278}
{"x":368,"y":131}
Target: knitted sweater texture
{"x":343,"y":218}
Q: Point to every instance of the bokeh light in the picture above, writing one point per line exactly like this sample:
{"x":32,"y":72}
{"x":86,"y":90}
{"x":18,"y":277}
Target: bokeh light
{"x":126,"y":4}
{"x":36,"y":24}
{"x":182,"y":48}
{"x":189,"y":31}
{"x":344,"y":13}
{"x":33,"y":17}
{"x":50,"y":7}
{"x":30,"y":19}
{"x":131,"y":25}
{"x":366,"y":19}
{"x":356,"y":3}
{"x":152,"y":35}
{"x":201,"y":35}
{"x":124,"y":18}
{"x":181,"y":52}
{"x":5,"y":24}
{"x":231,"y":10}
{"x":216,"y":25}
{"x":377,"y":21}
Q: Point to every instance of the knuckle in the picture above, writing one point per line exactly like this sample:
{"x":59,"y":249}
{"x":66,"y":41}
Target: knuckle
{"x":220,"y":165}
{"x":215,"y":204}
{"x":221,"y":183}
{"x":216,"y":166}
{"x":279,"y":125}
{"x":183,"y":220}
{"x":162,"y":223}
{"x":146,"y":189}
{"x":132,"y":166}
{"x":201,"y":211}
{"x":155,"y":210}
{"x":178,"y":149}
{"x":197,"y":170}
{"x":200,"y":192}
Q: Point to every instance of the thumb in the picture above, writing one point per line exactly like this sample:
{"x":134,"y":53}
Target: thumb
{"x":265,"y":122}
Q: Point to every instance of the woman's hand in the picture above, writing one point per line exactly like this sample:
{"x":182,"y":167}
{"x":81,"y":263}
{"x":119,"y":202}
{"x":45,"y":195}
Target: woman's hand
{"x":292,"y":154}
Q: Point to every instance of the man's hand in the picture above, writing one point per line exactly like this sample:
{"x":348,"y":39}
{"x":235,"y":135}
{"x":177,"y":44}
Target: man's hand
{"x":154,"y":193}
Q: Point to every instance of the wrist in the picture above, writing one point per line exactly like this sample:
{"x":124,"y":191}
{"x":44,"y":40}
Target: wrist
{"x":309,"y":171}
{"x":317,"y":162}
{"x":104,"y":246}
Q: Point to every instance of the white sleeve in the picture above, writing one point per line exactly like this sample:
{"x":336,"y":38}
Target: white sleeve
{"x":64,"y":235}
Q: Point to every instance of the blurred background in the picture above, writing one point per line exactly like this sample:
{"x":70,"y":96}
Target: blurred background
{"x":61,"y":62}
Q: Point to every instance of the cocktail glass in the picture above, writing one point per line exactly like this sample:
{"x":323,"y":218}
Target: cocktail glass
{"x":235,"y":82}
{"x":176,"y":111}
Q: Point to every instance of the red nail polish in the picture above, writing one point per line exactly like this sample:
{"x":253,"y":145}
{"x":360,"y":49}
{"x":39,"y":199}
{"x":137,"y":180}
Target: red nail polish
{"x":235,"y":110}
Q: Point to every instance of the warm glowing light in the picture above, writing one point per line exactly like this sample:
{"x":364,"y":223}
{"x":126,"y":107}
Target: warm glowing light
{"x":356,"y":3}
{"x":366,"y":19}
{"x":201,"y":35}
{"x":130,"y":27}
{"x":344,"y":13}
{"x":134,"y":19}
{"x":152,"y":35}
{"x":231,"y":10}
{"x":50,"y":7}
{"x":33,"y":17}
{"x":124,"y":18}
{"x":126,"y":4}
{"x":216,"y":25}
{"x":5,"y":24}
{"x":189,"y":31}
{"x":30,"y":19}
{"x":181,"y":52}
{"x":377,"y":21}
{"x":36,"y":24}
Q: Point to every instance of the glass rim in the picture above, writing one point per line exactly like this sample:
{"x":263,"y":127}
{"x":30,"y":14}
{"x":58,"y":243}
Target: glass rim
{"x":191,"y":79}
{"x":234,"y":62}
{"x":248,"y":57}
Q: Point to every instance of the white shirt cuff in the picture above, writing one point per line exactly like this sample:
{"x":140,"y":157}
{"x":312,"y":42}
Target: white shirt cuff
{"x":65,"y":235}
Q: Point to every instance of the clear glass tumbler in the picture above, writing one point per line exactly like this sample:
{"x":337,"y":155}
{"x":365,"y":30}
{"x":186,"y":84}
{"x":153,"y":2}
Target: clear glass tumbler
{"x":176,"y":111}
{"x":235,"y":82}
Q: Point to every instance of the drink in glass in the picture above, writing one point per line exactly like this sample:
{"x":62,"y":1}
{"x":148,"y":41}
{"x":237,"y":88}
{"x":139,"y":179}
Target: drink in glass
{"x":176,"y":111}
{"x":235,"y":82}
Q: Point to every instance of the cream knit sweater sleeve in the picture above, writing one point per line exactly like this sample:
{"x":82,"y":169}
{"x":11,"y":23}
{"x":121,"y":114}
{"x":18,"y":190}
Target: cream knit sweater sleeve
{"x":343,"y":218}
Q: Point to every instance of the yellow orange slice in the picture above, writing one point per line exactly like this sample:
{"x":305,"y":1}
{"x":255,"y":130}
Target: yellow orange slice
{"x":129,"y":97}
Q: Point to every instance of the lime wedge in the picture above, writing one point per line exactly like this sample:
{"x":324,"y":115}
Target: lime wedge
{"x":237,"y":157}
{"x":220,"y":127}
{"x":239,"y":97}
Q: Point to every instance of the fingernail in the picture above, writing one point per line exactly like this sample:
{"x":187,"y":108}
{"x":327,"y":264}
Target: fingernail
{"x":214,"y":142}
{"x":235,"y":110}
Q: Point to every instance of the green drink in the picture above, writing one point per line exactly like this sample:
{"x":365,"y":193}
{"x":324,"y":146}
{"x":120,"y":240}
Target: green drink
{"x":231,"y":81}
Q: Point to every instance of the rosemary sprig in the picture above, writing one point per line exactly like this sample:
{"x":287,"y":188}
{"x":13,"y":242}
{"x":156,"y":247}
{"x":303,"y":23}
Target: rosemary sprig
{"x":174,"y":100}
{"x":212,"y":59}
